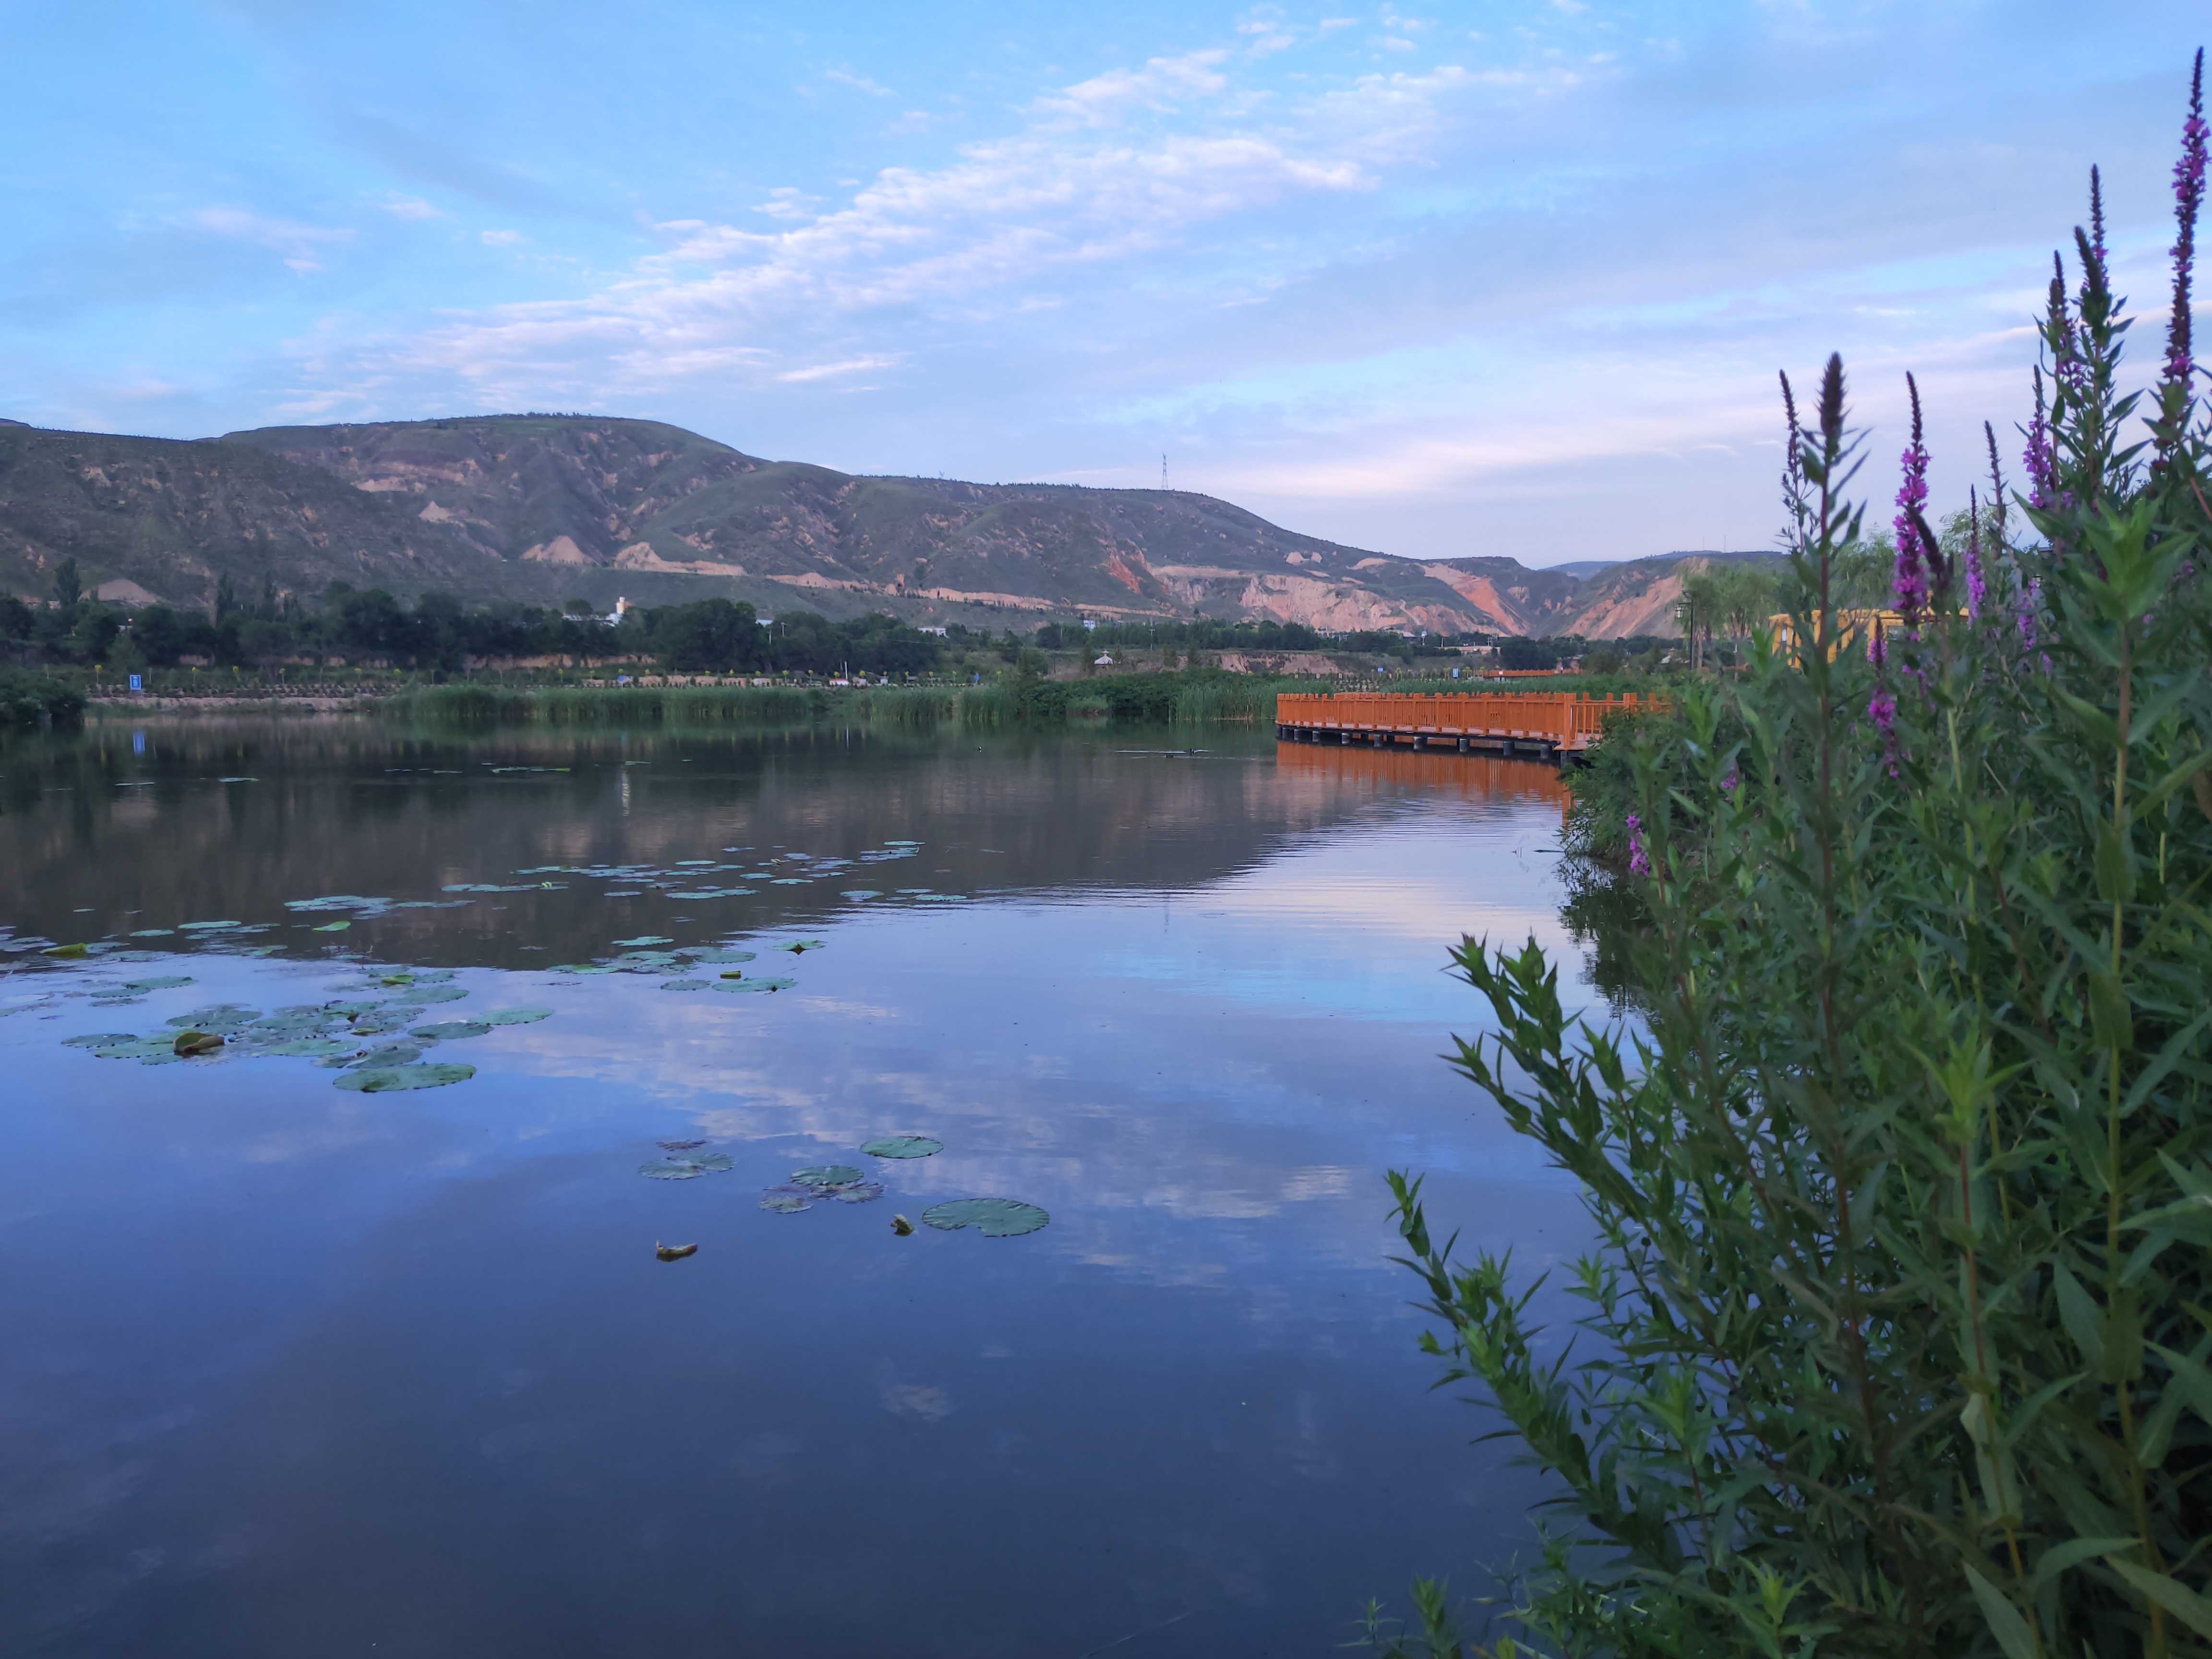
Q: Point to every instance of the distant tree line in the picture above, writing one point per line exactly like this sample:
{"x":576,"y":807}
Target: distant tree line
{"x":440,"y":633}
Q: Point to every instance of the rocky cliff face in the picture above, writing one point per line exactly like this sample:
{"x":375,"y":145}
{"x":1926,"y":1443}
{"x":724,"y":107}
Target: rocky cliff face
{"x":541,"y":508}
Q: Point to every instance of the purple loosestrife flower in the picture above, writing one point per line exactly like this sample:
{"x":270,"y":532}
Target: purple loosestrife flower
{"x":1639,"y":864}
{"x":2188,"y":197}
{"x":1910,"y":582}
{"x":1977,"y":587}
{"x":1882,"y":708}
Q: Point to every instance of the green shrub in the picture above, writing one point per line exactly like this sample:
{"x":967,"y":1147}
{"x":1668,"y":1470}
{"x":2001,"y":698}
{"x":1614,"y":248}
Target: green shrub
{"x":1898,"y":1327}
{"x":32,"y":700}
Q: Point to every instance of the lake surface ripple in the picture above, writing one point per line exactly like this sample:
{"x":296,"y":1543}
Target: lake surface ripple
{"x":293,"y":1368}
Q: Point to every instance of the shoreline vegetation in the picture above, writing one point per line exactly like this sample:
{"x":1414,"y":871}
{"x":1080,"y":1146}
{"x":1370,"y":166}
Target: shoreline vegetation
{"x":1894,"y":1333}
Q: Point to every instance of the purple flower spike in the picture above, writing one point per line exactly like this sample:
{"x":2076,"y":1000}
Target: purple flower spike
{"x":1977,"y":587}
{"x":1639,"y":864}
{"x":1911,"y":583}
{"x":2188,"y":197}
{"x":1882,"y":708}
{"x":2041,"y":463}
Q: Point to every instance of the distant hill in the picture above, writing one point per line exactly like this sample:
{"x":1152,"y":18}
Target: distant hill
{"x":542,"y":508}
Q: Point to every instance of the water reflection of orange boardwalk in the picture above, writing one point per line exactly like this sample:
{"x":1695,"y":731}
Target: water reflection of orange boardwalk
{"x":1470,"y":777}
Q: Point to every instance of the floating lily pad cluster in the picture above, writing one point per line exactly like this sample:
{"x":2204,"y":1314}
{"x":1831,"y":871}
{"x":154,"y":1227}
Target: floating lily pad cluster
{"x":823,"y":1183}
{"x":358,"y":1035}
{"x":686,"y":964}
{"x":994,"y":1217}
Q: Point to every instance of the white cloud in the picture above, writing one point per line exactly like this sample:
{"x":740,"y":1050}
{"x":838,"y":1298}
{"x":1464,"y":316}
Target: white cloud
{"x":502,"y":238}
{"x":859,"y":81}
{"x":1106,"y":169}
{"x":411,"y":207}
{"x":301,"y":247}
{"x":825,"y":371}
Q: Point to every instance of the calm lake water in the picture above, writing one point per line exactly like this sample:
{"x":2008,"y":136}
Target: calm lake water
{"x":292,"y":1369}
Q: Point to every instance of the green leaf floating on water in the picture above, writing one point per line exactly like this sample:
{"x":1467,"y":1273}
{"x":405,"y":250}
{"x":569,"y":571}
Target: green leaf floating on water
{"x":316,"y":1048}
{"x":99,"y":1040}
{"x":799,"y":947}
{"x":646,"y":938}
{"x":419,"y":994}
{"x":514,"y":1016}
{"x":826,"y":1175}
{"x":994,"y":1217}
{"x":390,"y":1057}
{"x":391,"y":1079}
{"x":795,"y":1195}
{"x":165,"y":983}
{"x":756,"y":984}
{"x":719,"y":957}
{"x":903,"y":1146}
{"x":451,"y":1030}
{"x":684,"y":1165}
{"x":331,"y":927}
{"x":684,"y":984}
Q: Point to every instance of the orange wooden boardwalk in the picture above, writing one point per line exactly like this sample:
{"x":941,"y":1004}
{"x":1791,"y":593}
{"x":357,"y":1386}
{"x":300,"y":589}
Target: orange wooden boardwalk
{"x":1552,"y":725}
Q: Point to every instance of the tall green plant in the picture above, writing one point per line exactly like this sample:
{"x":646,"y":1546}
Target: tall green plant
{"x":1898,"y":1336}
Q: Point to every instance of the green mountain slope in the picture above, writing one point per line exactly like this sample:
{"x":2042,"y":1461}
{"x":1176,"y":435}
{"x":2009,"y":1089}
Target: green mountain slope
{"x":543,"y":508}
{"x":170,"y":517}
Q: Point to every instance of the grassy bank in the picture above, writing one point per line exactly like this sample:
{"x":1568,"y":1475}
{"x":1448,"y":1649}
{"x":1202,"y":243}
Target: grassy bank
{"x":1189,"y":696}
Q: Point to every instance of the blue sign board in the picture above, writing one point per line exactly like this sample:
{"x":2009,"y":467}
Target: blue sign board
{"x":135,"y":684}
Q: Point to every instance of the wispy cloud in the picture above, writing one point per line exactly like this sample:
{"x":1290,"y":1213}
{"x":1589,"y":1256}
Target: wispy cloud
{"x":301,"y":246}
{"x":1102,"y":171}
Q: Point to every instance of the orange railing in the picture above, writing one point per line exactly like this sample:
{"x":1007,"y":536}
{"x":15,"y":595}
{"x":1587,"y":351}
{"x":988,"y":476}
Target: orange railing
{"x":1566,"y":719}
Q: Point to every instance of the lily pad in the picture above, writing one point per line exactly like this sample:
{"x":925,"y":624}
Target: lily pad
{"x":799,"y":1193}
{"x":152,"y":933}
{"x":98,"y":1039}
{"x":331,"y":927}
{"x":312,"y":1048}
{"x":719,"y":955}
{"x":903,"y":1146}
{"x":994,"y":1217}
{"x":678,"y":1146}
{"x":392,"y":1055}
{"x":514,"y":1015}
{"x":755,"y":985}
{"x":225,"y":1019}
{"x":416,"y":995}
{"x":800,"y":946}
{"x":646,"y":938}
{"x":825,"y":1175}
{"x":188,"y":1041}
{"x":72,"y":952}
{"x":294,"y":1019}
{"x":860,"y":893}
{"x":682,"y":1166}
{"x":152,"y":1050}
{"x":165,"y":983}
{"x":451,"y":1030}
{"x":376,"y":1025}
{"x":390,"y":1079}
{"x":684,"y":984}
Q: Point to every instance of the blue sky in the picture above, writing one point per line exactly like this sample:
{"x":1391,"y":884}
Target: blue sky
{"x":1505,"y":279}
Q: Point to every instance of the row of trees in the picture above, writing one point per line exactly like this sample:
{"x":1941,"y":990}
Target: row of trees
{"x":439,"y":633}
